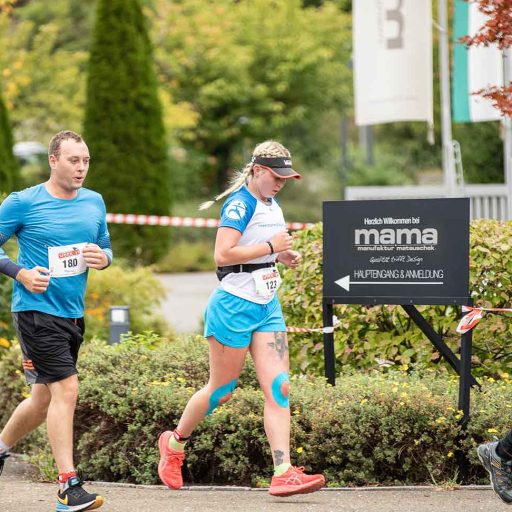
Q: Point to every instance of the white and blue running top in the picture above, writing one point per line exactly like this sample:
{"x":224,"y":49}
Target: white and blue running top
{"x":258,"y":222}
{"x":48,"y":227}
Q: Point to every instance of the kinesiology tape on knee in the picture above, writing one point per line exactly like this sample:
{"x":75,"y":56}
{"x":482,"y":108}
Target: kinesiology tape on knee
{"x":220,"y":393}
{"x":280,"y":387}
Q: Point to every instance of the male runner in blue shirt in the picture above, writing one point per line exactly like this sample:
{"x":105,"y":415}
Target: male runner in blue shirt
{"x":62,"y":232}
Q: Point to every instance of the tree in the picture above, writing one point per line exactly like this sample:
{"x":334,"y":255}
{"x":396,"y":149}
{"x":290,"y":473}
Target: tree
{"x":497,"y":30}
{"x":43,"y":72}
{"x":6,"y":5}
{"x":264,"y":69}
{"x":9,"y":171}
{"x":483,"y":163}
{"x":124,"y":128}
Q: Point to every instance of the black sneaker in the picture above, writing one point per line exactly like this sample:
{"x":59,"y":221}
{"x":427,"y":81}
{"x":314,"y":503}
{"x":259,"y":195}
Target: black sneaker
{"x":3,"y":456}
{"x":74,"y":498}
{"x":499,"y":470}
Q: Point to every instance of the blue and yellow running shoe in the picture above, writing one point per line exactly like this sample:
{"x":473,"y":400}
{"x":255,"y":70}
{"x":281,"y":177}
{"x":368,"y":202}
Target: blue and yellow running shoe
{"x":74,"y":498}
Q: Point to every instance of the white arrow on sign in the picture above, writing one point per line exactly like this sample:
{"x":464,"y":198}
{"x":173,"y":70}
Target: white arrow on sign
{"x":345,"y":282}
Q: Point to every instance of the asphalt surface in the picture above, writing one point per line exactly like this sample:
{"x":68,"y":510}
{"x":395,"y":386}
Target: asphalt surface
{"x":19,"y":493}
{"x":186,"y":298}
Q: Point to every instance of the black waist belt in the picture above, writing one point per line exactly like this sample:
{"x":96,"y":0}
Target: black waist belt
{"x":222,"y":272}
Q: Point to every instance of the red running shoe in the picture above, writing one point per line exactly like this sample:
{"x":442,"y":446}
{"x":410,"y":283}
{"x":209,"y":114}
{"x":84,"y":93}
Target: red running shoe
{"x":295,"y":481}
{"x":169,"y":467}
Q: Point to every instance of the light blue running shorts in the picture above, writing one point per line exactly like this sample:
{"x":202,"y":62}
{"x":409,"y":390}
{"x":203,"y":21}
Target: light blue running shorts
{"x":231,"y":320}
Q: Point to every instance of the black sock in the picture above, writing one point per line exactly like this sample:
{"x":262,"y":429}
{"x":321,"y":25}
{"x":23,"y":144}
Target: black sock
{"x":504,"y":448}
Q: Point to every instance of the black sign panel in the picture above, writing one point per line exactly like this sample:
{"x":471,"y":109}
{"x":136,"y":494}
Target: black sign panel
{"x":408,"y":251}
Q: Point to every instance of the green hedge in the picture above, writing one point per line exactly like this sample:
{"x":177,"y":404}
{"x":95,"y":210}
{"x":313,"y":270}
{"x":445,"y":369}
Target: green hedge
{"x":137,"y":288}
{"x":368,"y":429}
{"x":368,"y":335}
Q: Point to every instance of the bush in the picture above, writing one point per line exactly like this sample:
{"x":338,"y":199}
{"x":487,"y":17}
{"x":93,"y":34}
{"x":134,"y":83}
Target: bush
{"x":6,"y":329}
{"x":137,"y":288}
{"x":370,"y":428}
{"x":368,"y":335}
{"x":14,"y":390}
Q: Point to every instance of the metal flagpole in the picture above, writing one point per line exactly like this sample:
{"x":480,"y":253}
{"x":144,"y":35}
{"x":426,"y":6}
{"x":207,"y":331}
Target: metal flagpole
{"x":446,"y":115}
{"x":507,"y":125}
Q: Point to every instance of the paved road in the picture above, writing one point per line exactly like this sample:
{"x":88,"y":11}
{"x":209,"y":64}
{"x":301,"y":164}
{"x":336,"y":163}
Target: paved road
{"x":187,"y":295}
{"x":19,"y":494}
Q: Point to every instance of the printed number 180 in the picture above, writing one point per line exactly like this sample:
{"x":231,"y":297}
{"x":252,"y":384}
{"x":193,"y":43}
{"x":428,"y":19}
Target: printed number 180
{"x":72,"y":262}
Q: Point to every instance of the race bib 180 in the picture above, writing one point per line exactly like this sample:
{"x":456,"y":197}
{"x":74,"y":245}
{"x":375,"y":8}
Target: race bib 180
{"x":66,"y":260}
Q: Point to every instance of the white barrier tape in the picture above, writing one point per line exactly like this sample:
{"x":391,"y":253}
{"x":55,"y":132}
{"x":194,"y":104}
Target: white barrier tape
{"x":325,"y":330}
{"x":474,"y":315}
{"x":194,"y":222}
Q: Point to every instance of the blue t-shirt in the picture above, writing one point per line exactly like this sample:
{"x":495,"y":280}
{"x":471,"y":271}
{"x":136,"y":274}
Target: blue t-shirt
{"x":41,"y":221}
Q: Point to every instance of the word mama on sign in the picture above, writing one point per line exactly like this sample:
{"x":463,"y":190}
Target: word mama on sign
{"x":398,"y":236}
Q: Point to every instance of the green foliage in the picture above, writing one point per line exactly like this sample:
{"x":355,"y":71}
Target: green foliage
{"x":14,"y":386}
{"x":185,"y":256}
{"x":44,"y":52}
{"x":124,"y":127}
{"x":224,"y":87}
{"x":246,"y":88}
{"x":137,"y":288}
{"x":408,"y":143}
{"x":9,"y":170}
{"x":118,"y":285}
{"x":369,"y":429}
{"x":14,"y":390}
{"x":389,"y":169}
{"x":483,"y":162}
{"x":42,"y":459}
{"x":6,"y":329}
{"x":371,"y":336}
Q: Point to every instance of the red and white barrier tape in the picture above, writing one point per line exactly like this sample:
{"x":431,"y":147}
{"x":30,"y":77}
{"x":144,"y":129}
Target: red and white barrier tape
{"x":164,"y":220}
{"x":325,"y":330}
{"x":474,"y":315}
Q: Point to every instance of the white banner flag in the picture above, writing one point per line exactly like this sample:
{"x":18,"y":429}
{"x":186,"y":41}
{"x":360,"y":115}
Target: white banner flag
{"x":474,"y":68}
{"x":392,"y":61}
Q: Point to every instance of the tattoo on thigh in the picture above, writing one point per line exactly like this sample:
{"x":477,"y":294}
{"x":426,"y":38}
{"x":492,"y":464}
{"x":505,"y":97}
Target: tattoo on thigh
{"x":280,"y":344}
{"x":278,"y":457}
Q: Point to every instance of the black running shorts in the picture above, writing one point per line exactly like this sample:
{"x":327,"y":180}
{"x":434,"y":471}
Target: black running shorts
{"x":49,"y":344}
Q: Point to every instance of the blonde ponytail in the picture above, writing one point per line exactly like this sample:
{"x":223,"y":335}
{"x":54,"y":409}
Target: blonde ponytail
{"x":269,"y":148}
{"x":237,"y":181}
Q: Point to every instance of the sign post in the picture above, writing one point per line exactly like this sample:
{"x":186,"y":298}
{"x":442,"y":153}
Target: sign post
{"x":400,"y":252}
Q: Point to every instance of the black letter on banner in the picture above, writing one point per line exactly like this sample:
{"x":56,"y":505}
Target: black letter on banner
{"x":396,"y":15}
